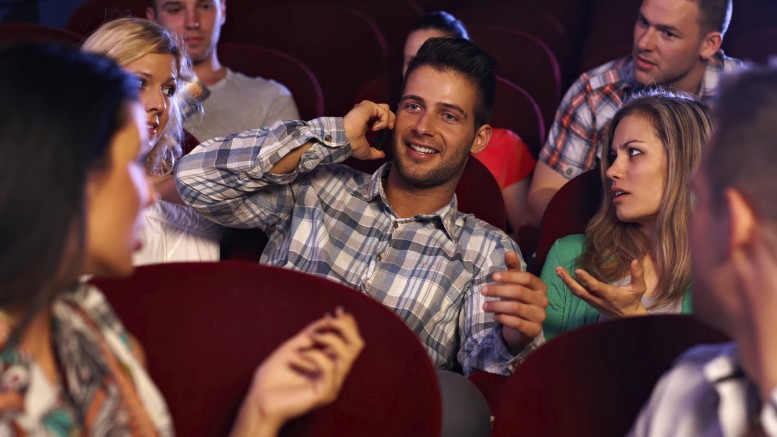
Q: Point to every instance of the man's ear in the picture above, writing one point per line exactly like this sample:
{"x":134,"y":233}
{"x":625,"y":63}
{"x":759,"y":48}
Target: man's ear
{"x":741,"y":221}
{"x":482,"y":137}
{"x":150,"y":14}
{"x":710,"y":45}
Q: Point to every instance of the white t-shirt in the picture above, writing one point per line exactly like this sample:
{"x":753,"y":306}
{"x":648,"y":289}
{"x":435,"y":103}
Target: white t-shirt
{"x":238,"y":103}
{"x":175,"y":233}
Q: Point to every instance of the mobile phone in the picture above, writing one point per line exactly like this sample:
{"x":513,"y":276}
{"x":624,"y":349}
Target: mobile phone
{"x":382,"y":140}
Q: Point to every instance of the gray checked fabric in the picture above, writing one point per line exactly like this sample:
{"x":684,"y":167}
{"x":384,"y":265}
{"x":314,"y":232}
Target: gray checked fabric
{"x":332,"y":221}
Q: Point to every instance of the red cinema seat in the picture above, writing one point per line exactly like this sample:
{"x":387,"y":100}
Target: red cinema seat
{"x":759,"y":46}
{"x":93,"y":13}
{"x":341,"y":46}
{"x":205,"y":328}
{"x":516,"y":109}
{"x":392,"y":18}
{"x":283,"y":68}
{"x":13,"y":33}
{"x":593,"y":381}
{"x":524,"y":60}
{"x":521,"y":17}
{"x":490,"y":385}
{"x":568,"y":212}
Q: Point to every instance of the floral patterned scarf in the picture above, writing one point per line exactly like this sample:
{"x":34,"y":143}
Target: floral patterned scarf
{"x":102,"y":389}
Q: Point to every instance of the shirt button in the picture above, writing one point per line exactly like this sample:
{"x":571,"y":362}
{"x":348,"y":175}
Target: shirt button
{"x":568,"y":171}
{"x":379,"y":257}
{"x":396,"y":225}
{"x":328,"y":138}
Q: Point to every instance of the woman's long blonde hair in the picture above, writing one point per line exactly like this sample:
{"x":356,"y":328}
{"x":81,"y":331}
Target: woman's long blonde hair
{"x":683,"y":125}
{"x":126,"y":40}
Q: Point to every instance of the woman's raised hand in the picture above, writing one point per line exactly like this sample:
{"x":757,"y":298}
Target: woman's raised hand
{"x":305,"y":372}
{"x":610,"y":300}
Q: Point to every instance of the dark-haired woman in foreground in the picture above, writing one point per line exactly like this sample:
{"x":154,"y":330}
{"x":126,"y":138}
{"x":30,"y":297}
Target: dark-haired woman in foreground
{"x":67,"y":366}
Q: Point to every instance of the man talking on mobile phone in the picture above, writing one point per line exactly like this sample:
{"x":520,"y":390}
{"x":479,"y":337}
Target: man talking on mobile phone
{"x":395,"y":235}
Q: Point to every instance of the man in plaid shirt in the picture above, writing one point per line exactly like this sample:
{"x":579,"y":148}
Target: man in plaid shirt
{"x":395,"y":235}
{"x":676,"y":45}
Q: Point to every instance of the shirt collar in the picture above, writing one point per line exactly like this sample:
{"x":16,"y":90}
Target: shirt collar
{"x":712,"y":76}
{"x":723,"y":366}
{"x":447,"y":216}
{"x":738,"y":399}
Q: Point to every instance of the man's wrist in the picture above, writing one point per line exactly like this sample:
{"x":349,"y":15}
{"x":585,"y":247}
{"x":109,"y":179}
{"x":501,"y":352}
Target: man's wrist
{"x":514,"y":340}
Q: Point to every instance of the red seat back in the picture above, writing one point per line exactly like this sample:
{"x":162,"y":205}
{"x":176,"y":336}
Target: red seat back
{"x":189,"y":142}
{"x":341,"y":46}
{"x":13,"y":33}
{"x":93,"y":13}
{"x":393,"y":18}
{"x":516,"y":109}
{"x":478,"y":193}
{"x":759,"y":46}
{"x":525,"y":61}
{"x":594,"y":380}
{"x":568,"y":212}
{"x":610,"y":31}
{"x":602,"y":55}
{"x":748,"y":17}
{"x":382,"y":89}
{"x":205,"y":328}
{"x":283,"y":68}
{"x":521,"y":17}
{"x":490,"y":385}
{"x":570,"y":14}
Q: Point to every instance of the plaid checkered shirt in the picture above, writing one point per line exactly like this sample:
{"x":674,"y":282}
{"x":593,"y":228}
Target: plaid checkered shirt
{"x":329,"y":220}
{"x":577,"y":136}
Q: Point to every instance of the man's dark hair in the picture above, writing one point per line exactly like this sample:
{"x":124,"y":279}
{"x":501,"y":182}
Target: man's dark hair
{"x":465,"y":58}
{"x":714,"y":15}
{"x":743,"y":154}
{"x":442,"y":21}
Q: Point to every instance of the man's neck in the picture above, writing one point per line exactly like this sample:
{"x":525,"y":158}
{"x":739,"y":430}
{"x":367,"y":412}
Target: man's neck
{"x":210,"y":71}
{"x":692,"y":81}
{"x":407,"y":201}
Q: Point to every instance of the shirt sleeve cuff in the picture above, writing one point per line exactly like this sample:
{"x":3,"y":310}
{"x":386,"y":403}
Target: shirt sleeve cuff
{"x":329,"y":131}
{"x":516,"y":361}
{"x":329,"y":145}
{"x":507,"y":361}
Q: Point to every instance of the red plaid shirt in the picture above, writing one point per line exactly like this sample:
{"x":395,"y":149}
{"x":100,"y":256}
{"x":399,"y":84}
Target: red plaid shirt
{"x":577,"y":135}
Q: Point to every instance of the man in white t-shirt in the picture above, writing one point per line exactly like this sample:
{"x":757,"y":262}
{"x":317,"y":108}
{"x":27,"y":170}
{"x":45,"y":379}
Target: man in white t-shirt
{"x":232,"y":102}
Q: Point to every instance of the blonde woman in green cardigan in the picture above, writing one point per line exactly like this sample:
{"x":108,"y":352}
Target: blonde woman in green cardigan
{"x":634,"y":258}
